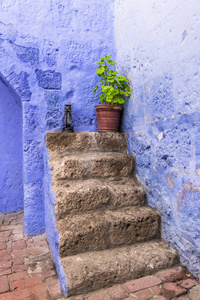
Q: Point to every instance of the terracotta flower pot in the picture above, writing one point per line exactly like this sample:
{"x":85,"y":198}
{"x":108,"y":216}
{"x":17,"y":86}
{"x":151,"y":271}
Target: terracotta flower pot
{"x":108,"y":117}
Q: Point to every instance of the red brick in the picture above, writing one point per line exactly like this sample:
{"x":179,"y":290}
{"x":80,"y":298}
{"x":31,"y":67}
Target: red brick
{"x":188,"y":283}
{"x":99,"y":296}
{"x":5,"y":267}
{"x":21,"y":284}
{"x":41,"y":243}
{"x":5,"y":254}
{"x":18,"y":276}
{"x":41,"y":297}
{"x":52,"y":281}
{"x":4,"y":286}
{"x":7,"y":296}
{"x":39,"y":289}
{"x":21,"y":294}
{"x":156,"y":290}
{"x":117,"y":292}
{"x":171,"y":290}
{"x":8,"y":244}
{"x":19,"y":245}
{"x":75,"y":298}
{"x":142,"y":283}
{"x":5,"y":264}
{"x":43,"y":275}
{"x":55,"y":291}
{"x":19,"y":268}
{"x":170,"y":275}
{"x":45,"y":245}
{"x":159,"y":298}
{"x":3,"y":246}
{"x":4,"y":234}
{"x":18,"y":261}
{"x":48,"y":274}
{"x":5,"y":271}
{"x":144,"y":294}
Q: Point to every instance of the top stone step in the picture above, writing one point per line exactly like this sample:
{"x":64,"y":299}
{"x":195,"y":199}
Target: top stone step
{"x":63,"y":142}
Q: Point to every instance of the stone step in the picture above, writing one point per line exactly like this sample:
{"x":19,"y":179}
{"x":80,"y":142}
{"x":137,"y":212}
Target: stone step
{"x":106,"y":229}
{"x":92,"y":165}
{"x":74,"y":196}
{"x":63,"y":142}
{"x":91,"y":271}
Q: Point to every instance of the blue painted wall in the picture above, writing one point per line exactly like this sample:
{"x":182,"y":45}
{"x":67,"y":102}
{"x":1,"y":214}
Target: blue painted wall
{"x":90,"y":36}
{"x":11,"y":162}
{"x":158,"y":49}
{"x":48,"y":54}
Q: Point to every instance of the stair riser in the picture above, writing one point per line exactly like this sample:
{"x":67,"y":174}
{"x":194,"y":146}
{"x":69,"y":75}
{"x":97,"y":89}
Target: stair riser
{"x":97,"y":197}
{"x":80,"y":200}
{"x":93,"y":168}
{"x":93,"y":271}
{"x":63,"y":142}
{"x":95,"y":232}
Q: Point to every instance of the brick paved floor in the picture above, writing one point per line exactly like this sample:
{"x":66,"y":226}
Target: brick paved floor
{"x":27,"y":272}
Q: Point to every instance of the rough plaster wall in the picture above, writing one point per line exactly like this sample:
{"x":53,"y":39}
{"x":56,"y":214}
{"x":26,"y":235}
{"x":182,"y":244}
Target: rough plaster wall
{"x":48,"y":54}
{"x":158,"y":48}
{"x":11,"y":162}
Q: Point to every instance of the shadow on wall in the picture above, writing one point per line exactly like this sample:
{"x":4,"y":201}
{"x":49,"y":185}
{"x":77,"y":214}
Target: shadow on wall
{"x":11,"y":150}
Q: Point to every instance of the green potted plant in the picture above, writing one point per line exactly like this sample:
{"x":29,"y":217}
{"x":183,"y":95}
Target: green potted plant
{"x":114,"y":88}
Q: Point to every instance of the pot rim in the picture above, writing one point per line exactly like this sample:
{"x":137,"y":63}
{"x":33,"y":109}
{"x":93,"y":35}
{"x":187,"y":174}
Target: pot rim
{"x":108,"y":107}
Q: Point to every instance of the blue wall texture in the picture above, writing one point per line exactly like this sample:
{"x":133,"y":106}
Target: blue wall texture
{"x":48,"y":54}
{"x":158,"y":49}
{"x":11,"y":150}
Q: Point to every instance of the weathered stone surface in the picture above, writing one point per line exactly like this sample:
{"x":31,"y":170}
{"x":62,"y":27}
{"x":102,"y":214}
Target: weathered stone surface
{"x":93,"y":270}
{"x":126,"y":192}
{"x":73,"y":196}
{"x":92,"y":165}
{"x":81,"y":233}
{"x":106,"y":229}
{"x":64,"y":142}
{"x":133,"y":225}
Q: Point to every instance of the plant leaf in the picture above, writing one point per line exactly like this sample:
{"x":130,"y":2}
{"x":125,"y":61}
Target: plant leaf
{"x":100,"y":71}
{"x":111,"y":62}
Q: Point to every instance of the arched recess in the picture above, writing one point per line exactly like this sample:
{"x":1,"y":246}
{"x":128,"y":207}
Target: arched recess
{"x":11,"y":149}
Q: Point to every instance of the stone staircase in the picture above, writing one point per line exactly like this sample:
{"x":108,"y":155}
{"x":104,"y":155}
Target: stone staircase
{"x":107,"y":232}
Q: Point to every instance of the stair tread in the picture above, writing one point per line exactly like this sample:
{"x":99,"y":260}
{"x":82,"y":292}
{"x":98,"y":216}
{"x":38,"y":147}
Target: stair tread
{"x":62,"y":142}
{"x":106,"y":229}
{"x":91,"y":155}
{"x":90,"y":271}
{"x":89,"y":194}
{"x":92,"y":165}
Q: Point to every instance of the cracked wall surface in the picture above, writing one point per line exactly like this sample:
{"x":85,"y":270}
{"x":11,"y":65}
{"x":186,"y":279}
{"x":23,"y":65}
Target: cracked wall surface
{"x":158,"y":49}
